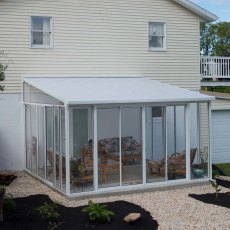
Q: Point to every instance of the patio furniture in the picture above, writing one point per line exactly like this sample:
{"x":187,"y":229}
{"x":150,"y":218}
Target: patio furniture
{"x":176,"y":160}
{"x":111,"y":166}
{"x":130,"y":149}
{"x":80,"y":171}
{"x":51,"y":161}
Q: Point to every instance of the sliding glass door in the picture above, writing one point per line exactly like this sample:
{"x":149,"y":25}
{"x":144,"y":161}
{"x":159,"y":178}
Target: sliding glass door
{"x":155,"y":127}
{"x":109,"y":162}
{"x":131,"y":146}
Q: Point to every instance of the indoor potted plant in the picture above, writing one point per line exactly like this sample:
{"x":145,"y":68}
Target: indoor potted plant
{"x":198,"y":170}
{"x":172,"y":172}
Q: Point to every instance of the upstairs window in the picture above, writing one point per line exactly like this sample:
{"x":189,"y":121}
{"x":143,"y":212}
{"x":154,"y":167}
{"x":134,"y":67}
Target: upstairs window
{"x":41,"y":32}
{"x":157,"y":36}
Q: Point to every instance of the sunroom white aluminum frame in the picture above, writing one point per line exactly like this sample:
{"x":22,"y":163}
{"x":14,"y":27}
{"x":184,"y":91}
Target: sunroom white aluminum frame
{"x":144,"y":184}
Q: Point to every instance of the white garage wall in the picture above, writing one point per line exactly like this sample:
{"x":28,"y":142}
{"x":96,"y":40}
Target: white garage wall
{"x":221,"y":136}
{"x":11,"y":135}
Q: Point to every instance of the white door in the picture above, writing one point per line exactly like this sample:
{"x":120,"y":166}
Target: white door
{"x":221,"y":136}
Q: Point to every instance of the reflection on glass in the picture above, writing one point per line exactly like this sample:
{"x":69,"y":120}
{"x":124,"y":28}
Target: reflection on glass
{"x":176,"y":142}
{"x":131,"y":145}
{"x":201,"y":160}
{"x":41,"y":142}
{"x":34,"y":139}
{"x":108,"y":147}
{"x":62,"y":147}
{"x":81,"y":150}
{"x":155,"y":144}
{"x":49,"y":144}
{"x":57,"y":154}
{"x":28,"y":137}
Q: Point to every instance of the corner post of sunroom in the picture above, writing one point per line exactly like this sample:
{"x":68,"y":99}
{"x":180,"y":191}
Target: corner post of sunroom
{"x":210,"y":140}
{"x":67,"y":162}
{"x":187,"y":134}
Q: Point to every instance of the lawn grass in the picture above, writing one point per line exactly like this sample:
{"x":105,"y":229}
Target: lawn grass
{"x":225,"y":168}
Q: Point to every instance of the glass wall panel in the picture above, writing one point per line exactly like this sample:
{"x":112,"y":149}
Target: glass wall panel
{"x":200,"y":164}
{"x":34,"y":95}
{"x":81,"y":149}
{"x":41,"y":141}
{"x":34,"y":139}
{"x":49,"y":144}
{"x":62,"y":147}
{"x":57,"y":155}
{"x":131,"y":145}
{"x":155,"y":144}
{"x":176,"y":142}
{"x":108,"y":147}
{"x":28,"y":138}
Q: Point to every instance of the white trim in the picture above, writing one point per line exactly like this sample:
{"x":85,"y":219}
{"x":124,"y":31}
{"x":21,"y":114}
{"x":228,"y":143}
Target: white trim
{"x":67,"y":150}
{"x":187,"y":143}
{"x":144,"y":169}
{"x":47,"y":105}
{"x":210,"y":141}
{"x":117,"y":189}
{"x":95,"y":150}
{"x":120,"y":154}
{"x":45,"y":147}
{"x":198,"y":130}
{"x":204,"y":14}
{"x":37,"y":122}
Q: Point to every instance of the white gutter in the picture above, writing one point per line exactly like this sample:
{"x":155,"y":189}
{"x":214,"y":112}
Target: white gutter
{"x":204,"y":14}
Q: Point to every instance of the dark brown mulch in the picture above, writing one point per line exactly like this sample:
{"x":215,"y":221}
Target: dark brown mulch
{"x":24,"y":217}
{"x":6,"y":179}
{"x":210,"y":198}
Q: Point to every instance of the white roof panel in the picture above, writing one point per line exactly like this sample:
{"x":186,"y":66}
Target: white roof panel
{"x":89,"y":90}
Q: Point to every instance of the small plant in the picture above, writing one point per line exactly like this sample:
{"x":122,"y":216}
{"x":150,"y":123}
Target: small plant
{"x":3,"y":66}
{"x":216,"y":187}
{"x":98,"y":212}
{"x":2,"y":188}
{"x":48,"y":211}
{"x":8,"y":203}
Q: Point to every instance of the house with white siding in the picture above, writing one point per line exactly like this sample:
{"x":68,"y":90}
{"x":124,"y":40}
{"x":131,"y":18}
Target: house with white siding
{"x":103,"y":96}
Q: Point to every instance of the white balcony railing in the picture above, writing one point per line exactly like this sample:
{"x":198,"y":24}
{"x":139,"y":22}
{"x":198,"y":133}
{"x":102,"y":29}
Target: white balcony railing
{"x":215,"y":67}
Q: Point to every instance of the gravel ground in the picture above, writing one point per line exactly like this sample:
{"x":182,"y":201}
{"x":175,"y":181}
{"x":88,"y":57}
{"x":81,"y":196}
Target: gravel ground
{"x":173,"y":209}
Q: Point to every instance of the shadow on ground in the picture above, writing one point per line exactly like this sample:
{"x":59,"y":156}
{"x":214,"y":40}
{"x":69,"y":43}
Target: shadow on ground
{"x":210,"y":198}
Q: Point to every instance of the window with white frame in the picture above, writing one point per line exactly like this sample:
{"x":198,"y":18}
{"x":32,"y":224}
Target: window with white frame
{"x":41,"y":32}
{"x":157,"y":35}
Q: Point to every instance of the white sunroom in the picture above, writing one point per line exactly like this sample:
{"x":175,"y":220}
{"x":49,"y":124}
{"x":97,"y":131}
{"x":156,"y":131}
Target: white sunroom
{"x":98,"y":135}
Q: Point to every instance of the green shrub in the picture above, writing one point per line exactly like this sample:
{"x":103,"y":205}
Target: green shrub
{"x":48,"y":211}
{"x":9,"y":203}
{"x":98,"y":212}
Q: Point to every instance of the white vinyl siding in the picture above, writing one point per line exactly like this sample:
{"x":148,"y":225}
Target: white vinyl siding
{"x":157,"y":36}
{"x":101,"y":38}
{"x":41,"y":32}
{"x":221,"y":104}
{"x":221,"y":136}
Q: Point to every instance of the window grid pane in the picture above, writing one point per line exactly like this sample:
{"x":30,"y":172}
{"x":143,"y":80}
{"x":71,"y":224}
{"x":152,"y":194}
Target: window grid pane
{"x":40,"y":31}
{"x":156,"y":35}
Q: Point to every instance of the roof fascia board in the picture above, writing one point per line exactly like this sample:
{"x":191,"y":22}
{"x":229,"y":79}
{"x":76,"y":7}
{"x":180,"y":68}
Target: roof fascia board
{"x":204,"y":14}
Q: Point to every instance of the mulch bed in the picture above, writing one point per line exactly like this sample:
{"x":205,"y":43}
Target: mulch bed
{"x":24,"y":217}
{"x":210,"y":198}
{"x":6,"y":179}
